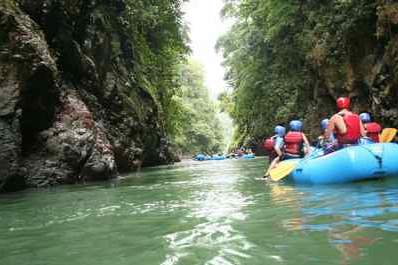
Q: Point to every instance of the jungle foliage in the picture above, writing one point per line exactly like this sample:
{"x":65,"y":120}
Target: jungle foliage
{"x":197,"y":127}
{"x":279,"y":53}
{"x":160,"y":61}
{"x":159,"y":43}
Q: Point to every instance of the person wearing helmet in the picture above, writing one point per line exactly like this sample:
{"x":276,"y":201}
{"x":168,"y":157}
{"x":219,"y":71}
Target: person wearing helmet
{"x":269,"y":143}
{"x":326,"y":143}
{"x":346,"y":125}
{"x":296,"y":143}
{"x":274,"y":147}
{"x":324,"y":124}
{"x":373,"y":129}
{"x":322,"y":140}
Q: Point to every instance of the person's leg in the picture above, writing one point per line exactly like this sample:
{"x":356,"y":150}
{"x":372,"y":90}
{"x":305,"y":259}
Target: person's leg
{"x":271,"y":157}
{"x":273,"y":164}
{"x":332,"y":147}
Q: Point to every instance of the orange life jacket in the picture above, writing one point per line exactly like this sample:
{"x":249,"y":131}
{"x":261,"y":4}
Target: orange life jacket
{"x":294,"y":143}
{"x":353,"y":133}
{"x":373,"y":130}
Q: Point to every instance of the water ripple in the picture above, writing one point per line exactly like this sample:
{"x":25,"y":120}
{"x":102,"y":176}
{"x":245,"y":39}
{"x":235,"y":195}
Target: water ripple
{"x":216,"y":213}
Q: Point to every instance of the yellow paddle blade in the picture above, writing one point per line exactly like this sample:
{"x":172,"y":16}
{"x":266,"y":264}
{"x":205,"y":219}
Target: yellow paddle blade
{"x":388,"y":135}
{"x":282,"y":170}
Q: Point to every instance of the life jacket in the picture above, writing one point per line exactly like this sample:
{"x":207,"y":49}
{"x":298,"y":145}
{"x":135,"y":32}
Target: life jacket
{"x":353,"y":132}
{"x":294,"y":143}
{"x":269,"y":144}
{"x":373,"y":130}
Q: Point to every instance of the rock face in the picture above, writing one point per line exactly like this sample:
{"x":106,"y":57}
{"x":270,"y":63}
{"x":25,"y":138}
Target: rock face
{"x":69,"y":109}
{"x":368,"y":72}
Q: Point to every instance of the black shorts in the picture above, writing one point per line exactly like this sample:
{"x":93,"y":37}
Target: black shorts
{"x":272,"y":156}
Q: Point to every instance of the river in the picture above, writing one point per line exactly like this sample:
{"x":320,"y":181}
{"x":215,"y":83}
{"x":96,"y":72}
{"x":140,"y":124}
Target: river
{"x":215,"y":213}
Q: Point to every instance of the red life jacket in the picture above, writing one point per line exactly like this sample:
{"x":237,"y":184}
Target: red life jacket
{"x":269,"y":144}
{"x":373,"y":130}
{"x":353,"y":133}
{"x":294,"y":143}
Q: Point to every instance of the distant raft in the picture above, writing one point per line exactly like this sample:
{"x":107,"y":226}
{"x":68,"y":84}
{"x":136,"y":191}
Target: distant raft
{"x":200,"y":157}
{"x":248,"y":156}
{"x":217,"y":157}
{"x":355,"y":163}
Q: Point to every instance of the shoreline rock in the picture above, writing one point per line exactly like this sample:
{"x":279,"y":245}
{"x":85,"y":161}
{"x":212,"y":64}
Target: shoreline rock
{"x":70,"y":109}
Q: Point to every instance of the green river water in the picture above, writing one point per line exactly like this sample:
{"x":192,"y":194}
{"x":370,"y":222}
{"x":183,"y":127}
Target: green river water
{"x":216,"y":213}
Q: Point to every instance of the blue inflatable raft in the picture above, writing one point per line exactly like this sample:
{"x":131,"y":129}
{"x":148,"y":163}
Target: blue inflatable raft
{"x":350,"y":164}
{"x":200,"y":157}
{"x":248,"y":156}
{"x":217,"y":157}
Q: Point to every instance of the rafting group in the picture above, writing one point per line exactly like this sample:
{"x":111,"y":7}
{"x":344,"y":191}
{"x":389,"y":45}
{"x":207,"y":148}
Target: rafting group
{"x":245,"y":153}
{"x":343,"y":130}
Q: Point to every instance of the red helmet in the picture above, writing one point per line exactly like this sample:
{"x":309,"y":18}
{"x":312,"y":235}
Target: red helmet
{"x":343,"y":103}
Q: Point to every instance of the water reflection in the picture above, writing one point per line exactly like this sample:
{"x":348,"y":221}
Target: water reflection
{"x":216,"y":205}
{"x":351,"y":244}
{"x":202,"y":213}
{"x":354,"y":217}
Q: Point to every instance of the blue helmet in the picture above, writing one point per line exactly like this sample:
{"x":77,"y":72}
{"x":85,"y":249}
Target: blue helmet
{"x":365,"y":117}
{"x":280,"y":130}
{"x":296,"y":125}
{"x":324,"y":123}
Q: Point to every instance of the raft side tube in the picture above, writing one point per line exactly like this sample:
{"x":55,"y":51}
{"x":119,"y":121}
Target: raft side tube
{"x":350,"y":164}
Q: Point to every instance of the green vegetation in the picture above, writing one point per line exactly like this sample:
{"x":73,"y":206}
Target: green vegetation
{"x":159,"y":43}
{"x":288,"y":59}
{"x":196,"y":126}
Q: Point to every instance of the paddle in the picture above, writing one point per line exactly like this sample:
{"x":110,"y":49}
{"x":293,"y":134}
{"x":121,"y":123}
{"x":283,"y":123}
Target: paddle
{"x":388,"y":135}
{"x":286,"y":167}
{"x":283,"y":169}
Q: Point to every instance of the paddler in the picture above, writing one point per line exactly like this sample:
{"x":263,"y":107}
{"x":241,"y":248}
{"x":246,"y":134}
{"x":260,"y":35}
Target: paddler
{"x":322,"y":138}
{"x":296,"y":143}
{"x":345,"y":125}
{"x":274,"y":147}
{"x":373,"y":129}
{"x":324,"y":142}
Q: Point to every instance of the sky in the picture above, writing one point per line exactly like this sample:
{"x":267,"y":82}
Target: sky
{"x":206,"y":26}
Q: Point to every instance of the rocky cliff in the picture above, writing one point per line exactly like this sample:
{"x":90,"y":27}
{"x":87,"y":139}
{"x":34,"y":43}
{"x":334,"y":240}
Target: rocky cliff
{"x":365,"y":68}
{"x":292,"y":59}
{"x":70,"y":108}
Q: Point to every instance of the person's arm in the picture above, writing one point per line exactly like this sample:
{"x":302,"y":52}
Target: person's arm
{"x":330,"y":128}
{"x":278,"y":150}
{"x":339,"y":124}
{"x":307,"y":145}
{"x":305,"y":139}
{"x":278,"y":146}
{"x":362,"y":129}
